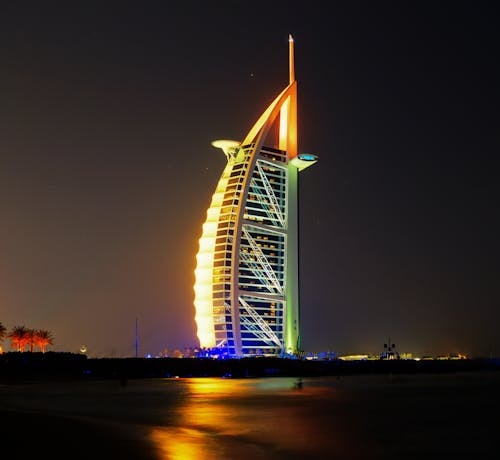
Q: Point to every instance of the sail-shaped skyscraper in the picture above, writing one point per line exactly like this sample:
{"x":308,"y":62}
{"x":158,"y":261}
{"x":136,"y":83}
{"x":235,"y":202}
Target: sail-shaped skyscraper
{"x":246,"y":278}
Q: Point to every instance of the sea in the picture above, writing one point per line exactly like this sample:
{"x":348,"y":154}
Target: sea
{"x":422,"y":416}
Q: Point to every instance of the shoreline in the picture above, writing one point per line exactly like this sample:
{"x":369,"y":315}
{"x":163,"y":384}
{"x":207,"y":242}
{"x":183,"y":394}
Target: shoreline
{"x":24,"y":367}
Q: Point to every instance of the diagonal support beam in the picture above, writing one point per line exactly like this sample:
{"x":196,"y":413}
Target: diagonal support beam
{"x":260,"y":323}
{"x":262,"y":259}
{"x":270,"y":194}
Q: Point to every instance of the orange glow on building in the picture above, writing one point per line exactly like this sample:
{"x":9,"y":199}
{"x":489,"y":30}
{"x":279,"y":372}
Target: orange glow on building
{"x":246,"y":278}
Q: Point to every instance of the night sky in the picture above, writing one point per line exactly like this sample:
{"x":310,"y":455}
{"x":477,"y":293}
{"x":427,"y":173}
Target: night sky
{"x":107,"y":111}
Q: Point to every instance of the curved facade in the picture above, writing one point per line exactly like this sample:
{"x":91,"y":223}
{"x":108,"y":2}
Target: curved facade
{"x":246,"y":288}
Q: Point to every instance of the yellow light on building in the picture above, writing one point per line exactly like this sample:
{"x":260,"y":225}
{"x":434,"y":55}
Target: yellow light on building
{"x":239,"y":281}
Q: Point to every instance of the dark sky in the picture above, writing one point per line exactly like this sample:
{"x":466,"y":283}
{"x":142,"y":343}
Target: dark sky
{"x":107,"y":111}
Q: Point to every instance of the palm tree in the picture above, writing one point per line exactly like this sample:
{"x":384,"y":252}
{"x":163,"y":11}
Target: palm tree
{"x":42,"y":338}
{"x":31,"y":338}
{"x":19,"y":337}
{"x":3,"y":332}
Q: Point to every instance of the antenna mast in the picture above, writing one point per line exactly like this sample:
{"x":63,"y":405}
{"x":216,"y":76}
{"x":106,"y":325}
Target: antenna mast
{"x":291,"y":58}
{"x":136,"y":339}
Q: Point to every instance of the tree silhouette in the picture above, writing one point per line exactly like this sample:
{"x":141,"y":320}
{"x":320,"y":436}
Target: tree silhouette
{"x":19,"y":337}
{"x":3,"y":332}
{"x":31,"y":338}
{"x":42,"y":338}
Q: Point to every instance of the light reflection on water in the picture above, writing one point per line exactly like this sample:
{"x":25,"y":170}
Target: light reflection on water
{"x":254,"y":419}
{"x":370,"y":417}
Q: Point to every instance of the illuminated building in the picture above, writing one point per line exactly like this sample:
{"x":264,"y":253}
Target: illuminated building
{"x":247,"y":283}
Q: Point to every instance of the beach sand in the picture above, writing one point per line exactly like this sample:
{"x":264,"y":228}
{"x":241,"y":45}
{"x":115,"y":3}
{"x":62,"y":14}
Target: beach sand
{"x":34,"y":435}
{"x":75,"y":420}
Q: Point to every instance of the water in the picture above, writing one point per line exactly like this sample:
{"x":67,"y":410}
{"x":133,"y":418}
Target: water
{"x":354,"y":417}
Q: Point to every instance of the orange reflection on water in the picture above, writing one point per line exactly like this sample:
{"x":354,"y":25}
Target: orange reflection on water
{"x":247,"y":418}
{"x":180,"y":444}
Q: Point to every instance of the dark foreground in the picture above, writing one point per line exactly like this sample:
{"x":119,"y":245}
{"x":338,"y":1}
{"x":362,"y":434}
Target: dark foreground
{"x":379,"y":416}
{"x":51,"y":365}
{"x":66,"y":406}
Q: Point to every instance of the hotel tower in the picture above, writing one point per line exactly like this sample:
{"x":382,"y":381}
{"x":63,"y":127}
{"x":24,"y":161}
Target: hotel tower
{"x":247,"y":278}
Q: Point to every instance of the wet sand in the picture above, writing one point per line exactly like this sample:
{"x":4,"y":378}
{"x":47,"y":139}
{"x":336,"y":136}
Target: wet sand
{"x":33,"y":435}
{"x":74,"y":420}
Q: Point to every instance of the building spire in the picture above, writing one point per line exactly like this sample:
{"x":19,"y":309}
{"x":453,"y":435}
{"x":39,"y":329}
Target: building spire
{"x":286,"y":103}
{"x":291,"y":58}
